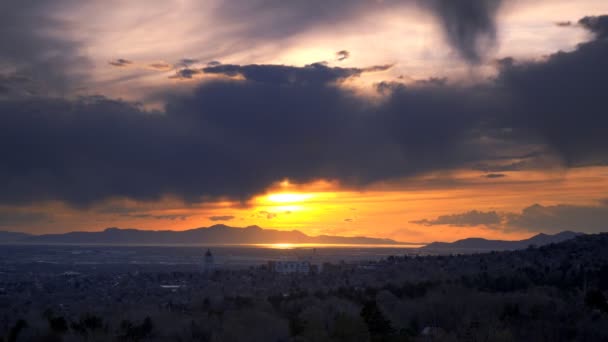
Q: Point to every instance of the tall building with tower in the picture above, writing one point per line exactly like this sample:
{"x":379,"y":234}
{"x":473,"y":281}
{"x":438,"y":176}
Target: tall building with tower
{"x":209,"y":263}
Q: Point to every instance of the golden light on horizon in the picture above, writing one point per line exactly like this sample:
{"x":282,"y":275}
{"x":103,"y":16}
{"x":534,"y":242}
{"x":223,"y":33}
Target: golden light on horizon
{"x":383,"y":211}
{"x":280,"y":245}
{"x":289,"y":197}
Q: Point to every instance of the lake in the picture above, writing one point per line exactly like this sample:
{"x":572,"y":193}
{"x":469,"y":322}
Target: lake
{"x":189,"y":257}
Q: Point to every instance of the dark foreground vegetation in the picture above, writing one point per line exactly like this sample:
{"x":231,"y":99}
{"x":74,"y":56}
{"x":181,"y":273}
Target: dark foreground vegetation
{"x":551,"y":293}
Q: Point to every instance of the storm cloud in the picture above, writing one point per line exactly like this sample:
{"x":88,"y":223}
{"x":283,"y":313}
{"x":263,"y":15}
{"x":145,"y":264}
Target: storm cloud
{"x":468,"y":219}
{"x":312,"y":74}
{"x":556,"y":218}
{"x":208,"y":145}
{"x":233,"y":138}
{"x":561,"y":100}
{"x":469,"y":25}
{"x":534,"y":218}
{"x":36,"y":58}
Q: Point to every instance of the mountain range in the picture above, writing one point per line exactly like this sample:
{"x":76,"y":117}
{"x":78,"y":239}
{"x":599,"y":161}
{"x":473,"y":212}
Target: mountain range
{"x":479,"y":244}
{"x":222,"y":234}
{"x":217,"y":234}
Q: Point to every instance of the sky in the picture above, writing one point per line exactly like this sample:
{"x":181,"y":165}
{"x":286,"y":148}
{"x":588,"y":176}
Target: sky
{"x":406,"y":119}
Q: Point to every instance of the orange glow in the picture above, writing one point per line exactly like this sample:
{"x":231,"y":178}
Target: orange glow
{"x":279,"y":245}
{"x":324,"y":208}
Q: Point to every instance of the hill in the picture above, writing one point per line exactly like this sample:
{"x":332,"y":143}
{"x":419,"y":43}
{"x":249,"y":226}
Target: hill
{"x":12,"y":236}
{"x":479,"y":244}
{"x":217,"y":234}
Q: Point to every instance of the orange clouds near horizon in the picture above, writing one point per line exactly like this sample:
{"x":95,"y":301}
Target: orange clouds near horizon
{"x":324,"y":208}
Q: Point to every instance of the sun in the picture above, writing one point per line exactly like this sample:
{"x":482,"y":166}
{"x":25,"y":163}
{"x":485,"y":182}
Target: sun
{"x":281,"y":245}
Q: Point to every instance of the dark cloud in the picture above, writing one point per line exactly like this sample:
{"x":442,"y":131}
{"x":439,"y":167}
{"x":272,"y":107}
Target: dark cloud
{"x":231,"y":139}
{"x":433,"y":81}
{"x":535,"y":218}
{"x":186,"y":73}
{"x":116,"y":209}
{"x":214,"y":63}
{"x":564,"y":23}
{"x":160,"y":66}
{"x":513,"y":166}
{"x":186,"y":62}
{"x":556,"y":218}
{"x":14,"y":218}
{"x":597,"y":25}
{"x":495,"y":175}
{"x":221,"y":218}
{"x":13,"y":85}
{"x":131,"y":212}
{"x":560,"y":101}
{"x":121,"y":62}
{"x":171,"y":217}
{"x":469,"y":25}
{"x":468,"y":219}
{"x":312,"y":74}
{"x":35,"y":47}
{"x":348,"y":220}
{"x":342,"y":55}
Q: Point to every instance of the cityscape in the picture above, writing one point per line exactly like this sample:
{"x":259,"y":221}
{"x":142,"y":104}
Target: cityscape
{"x":399,"y":297}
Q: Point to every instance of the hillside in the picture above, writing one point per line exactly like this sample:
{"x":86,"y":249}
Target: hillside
{"x":479,"y":244}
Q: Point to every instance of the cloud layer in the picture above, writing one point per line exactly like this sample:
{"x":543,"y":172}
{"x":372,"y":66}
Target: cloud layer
{"x":233,"y":138}
{"x":35,"y":57}
{"x":469,"y":25}
{"x":468,"y":219}
{"x":535,"y":218}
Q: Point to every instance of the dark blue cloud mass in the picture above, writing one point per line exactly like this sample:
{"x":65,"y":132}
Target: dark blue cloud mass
{"x":232,"y":138}
{"x":36,"y":57}
{"x":534,"y":218}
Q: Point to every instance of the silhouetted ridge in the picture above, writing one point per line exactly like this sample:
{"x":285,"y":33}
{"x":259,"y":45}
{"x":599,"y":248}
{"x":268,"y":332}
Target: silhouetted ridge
{"x":480,"y":244}
{"x":216,"y":234}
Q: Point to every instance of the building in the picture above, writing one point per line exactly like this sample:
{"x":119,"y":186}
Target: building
{"x":209,"y":263}
{"x":288,"y":267}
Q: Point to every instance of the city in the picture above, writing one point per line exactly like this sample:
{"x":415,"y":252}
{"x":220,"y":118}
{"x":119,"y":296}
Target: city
{"x":414,"y":293}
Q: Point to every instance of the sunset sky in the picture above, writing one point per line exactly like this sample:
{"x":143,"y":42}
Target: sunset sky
{"x":416,"y":120}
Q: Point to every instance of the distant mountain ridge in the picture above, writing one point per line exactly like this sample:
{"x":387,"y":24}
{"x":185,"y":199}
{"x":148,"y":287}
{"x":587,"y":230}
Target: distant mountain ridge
{"x":217,"y":234}
{"x":479,"y":244}
{"x":222,"y":234}
{"x":12,"y":236}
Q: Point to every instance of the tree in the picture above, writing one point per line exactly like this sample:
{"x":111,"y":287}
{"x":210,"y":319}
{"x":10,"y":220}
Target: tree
{"x":348,"y":328}
{"x":379,"y":326}
{"x":136,"y":332}
{"x":88,"y":323}
{"x":13,"y":334}
{"x":595,"y":299}
{"x":58,"y":325}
